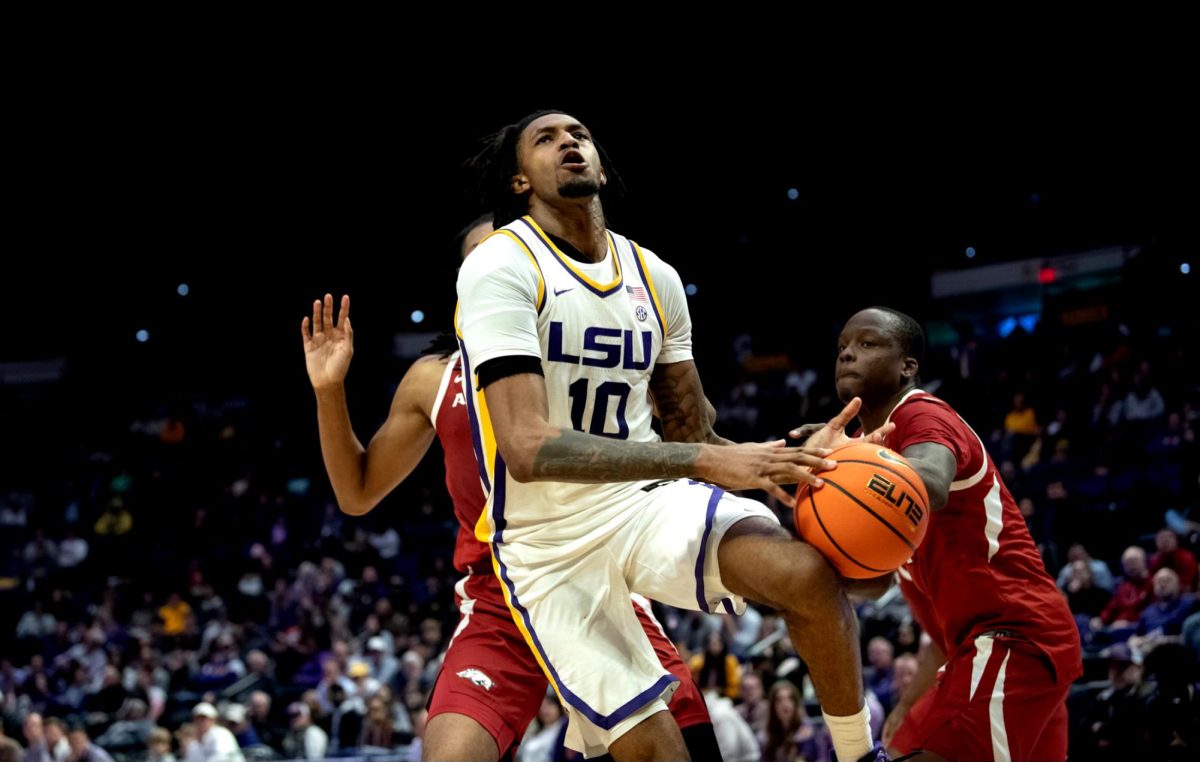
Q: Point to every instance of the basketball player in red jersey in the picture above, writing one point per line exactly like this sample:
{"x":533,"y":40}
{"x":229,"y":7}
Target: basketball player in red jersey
{"x":976,"y":584}
{"x":490,"y":686}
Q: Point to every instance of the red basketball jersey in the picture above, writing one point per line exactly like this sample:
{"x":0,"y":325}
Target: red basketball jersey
{"x":453,"y":429}
{"x":978,"y":568}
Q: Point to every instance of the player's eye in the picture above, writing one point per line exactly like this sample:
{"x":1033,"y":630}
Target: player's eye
{"x":542,"y":139}
{"x":581,"y":135}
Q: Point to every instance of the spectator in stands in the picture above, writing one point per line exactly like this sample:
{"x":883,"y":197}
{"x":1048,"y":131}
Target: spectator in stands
{"x":1083,"y":596}
{"x":159,"y":746}
{"x":1143,"y":402}
{"x":383,"y":665}
{"x":10,"y":748}
{"x":35,"y":739}
{"x":214,"y":743}
{"x":1101,"y":576}
{"x":736,"y":742}
{"x":1116,"y":717}
{"x":542,"y":738}
{"x":716,"y":668}
{"x":790,"y":734}
{"x":259,"y":712}
{"x":878,"y":673}
{"x":305,"y":740}
{"x":754,"y":709}
{"x":237,"y":720}
{"x":177,"y":617}
{"x":83,"y":750}
{"x":1132,"y":594}
{"x":1173,"y":707}
{"x":37,"y":623}
{"x":1165,"y":614}
{"x":904,"y":671}
{"x":1171,"y":556}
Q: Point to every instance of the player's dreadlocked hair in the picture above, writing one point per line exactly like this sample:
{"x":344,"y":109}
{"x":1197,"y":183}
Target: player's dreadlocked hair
{"x":496,"y":163}
{"x":909,"y":333}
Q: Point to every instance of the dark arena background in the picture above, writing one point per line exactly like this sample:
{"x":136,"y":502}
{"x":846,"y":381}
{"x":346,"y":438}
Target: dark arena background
{"x":168,"y":535}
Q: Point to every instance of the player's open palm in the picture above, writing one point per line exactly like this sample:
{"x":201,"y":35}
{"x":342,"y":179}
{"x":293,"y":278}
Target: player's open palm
{"x":328,"y":346}
{"x":765,"y":466}
{"x":833,"y":434}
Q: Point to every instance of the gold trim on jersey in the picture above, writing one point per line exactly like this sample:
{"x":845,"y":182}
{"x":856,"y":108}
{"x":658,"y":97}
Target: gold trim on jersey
{"x":645,"y":272}
{"x":568,"y":263}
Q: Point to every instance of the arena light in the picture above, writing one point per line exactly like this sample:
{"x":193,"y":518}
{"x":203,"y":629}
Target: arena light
{"x":182,"y":289}
{"x":690,"y":289}
{"x":1185,"y":268}
{"x":793,"y":194}
{"x":970,"y":252}
{"x":142,"y":336}
{"x":418,"y":316}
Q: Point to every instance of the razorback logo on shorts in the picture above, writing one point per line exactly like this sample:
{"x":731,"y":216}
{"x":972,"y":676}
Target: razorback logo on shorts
{"x":477,"y":677}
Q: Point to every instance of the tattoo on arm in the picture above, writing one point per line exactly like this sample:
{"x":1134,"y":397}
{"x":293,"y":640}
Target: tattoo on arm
{"x":682,"y":407}
{"x":573,"y":456}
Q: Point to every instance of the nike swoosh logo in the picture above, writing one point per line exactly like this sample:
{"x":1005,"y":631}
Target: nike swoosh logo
{"x":558,"y":292}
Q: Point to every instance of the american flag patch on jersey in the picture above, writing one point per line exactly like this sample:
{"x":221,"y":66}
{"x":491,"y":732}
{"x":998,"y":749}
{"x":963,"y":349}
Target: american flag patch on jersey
{"x":637,"y":293}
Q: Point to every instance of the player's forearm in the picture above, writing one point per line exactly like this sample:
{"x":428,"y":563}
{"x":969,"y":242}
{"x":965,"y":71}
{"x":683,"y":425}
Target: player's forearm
{"x":343,"y":454}
{"x":689,"y":420}
{"x":565,"y":455}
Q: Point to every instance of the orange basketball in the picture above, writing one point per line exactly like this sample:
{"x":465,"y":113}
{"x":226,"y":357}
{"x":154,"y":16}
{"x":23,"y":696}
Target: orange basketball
{"x":870,"y":514}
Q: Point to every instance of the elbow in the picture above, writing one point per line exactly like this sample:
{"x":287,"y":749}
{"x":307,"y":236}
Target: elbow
{"x":938,"y":495}
{"x":519,"y":465}
{"x":354,"y":507}
{"x":519,"y":456}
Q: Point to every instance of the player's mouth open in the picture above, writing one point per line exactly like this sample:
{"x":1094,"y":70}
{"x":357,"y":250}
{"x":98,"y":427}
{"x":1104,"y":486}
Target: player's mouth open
{"x":573,"y":160}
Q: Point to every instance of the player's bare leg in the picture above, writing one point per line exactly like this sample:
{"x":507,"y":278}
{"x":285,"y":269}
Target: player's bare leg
{"x":761,"y":561}
{"x":655,"y":739}
{"x":454,"y":737}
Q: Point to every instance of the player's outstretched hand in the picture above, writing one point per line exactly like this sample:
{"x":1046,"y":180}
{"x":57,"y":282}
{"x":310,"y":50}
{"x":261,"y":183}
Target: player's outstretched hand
{"x":833,"y":434}
{"x":328,"y":346}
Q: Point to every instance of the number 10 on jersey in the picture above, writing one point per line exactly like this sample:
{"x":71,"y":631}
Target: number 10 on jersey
{"x":604,"y":393}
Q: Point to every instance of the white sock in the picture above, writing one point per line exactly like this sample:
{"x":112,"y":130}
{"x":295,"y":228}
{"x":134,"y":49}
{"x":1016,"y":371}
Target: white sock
{"x":851,"y":735}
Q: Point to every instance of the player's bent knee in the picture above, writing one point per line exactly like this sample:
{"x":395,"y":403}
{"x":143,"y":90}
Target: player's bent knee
{"x":764,"y":562}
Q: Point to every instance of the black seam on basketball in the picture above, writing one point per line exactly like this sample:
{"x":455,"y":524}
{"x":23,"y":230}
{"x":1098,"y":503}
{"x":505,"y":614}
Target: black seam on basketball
{"x":841,"y":550}
{"x":867,"y":508}
{"x":889,"y":470}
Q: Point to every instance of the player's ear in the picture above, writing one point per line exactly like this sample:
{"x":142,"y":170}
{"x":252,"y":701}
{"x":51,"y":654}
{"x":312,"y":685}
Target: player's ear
{"x":911,"y":366}
{"x":519,"y":184}
{"x":603,"y":178}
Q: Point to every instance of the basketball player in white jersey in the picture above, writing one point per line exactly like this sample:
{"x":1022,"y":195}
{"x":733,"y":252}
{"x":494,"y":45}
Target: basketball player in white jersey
{"x":565,"y":326}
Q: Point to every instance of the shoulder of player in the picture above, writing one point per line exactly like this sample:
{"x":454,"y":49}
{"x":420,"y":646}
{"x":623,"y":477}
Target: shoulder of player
{"x":502,"y":242}
{"x":496,"y":253}
{"x":923,"y":404}
{"x":659,"y":270}
{"x":421,"y":383}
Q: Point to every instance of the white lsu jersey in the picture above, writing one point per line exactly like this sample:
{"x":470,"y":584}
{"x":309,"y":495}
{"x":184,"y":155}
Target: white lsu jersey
{"x":598,"y":329}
